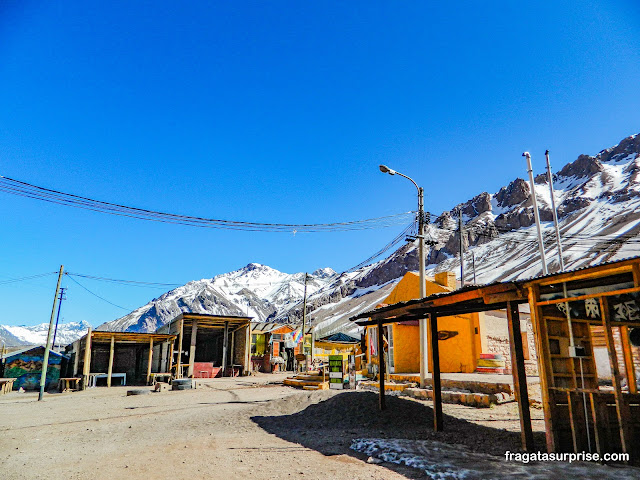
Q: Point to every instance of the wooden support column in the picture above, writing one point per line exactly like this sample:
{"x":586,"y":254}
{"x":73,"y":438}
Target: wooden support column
{"x":233,"y":347}
{"x":170,"y":362}
{"x":519,"y":376}
{"x":86,"y":367}
{"x":622,"y":408}
{"x":225,"y":346}
{"x":247,"y":350}
{"x":544,"y":365}
{"x":435,"y":374}
{"x":151,"y":358}
{"x":381,"y":365}
{"x":179,"y":363}
{"x":192,"y":347}
{"x":628,"y":360}
{"x":76,"y":357}
{"x":110,"y":370}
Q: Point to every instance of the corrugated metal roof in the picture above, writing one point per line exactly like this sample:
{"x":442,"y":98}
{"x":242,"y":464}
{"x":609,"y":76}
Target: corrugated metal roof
{"x":32,"y":347}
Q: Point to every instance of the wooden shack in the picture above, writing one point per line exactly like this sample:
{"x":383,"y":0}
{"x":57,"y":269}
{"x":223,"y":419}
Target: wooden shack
{"x":573,"y":314}
{"x":129,"y":358}
{"x":208,"y":346}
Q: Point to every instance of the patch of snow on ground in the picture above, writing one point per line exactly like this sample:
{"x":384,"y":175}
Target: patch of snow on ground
{"x":444,"y":461}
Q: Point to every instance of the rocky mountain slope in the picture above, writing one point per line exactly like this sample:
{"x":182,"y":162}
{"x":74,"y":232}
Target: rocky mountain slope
{"x":598,"y":199}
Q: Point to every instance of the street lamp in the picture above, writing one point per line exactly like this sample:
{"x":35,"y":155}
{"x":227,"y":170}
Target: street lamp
{"x":424,"y":365}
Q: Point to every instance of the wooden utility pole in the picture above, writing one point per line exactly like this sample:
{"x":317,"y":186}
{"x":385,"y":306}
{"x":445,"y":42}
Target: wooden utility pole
{"x":47,"y":349}
{"x":461,"y":247}
{"x":304,"y":318}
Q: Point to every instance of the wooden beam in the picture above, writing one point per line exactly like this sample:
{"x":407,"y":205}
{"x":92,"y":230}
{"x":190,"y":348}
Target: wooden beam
{"x":636,"y":274}
{"x":591,"y":295}
{"x":628,"y":360}
{"x":247,"y":349}
{"x":151,"y":359}
{"x":192,"y":347}
{"x":381,"y":370}
{"x":233,"y":347}
{"x":225,"y":347}
{"x":435,"y":374}
{"x":110,"y":368}
{"x":544,"y":365}
{"x":170,"y":363}
{"x":76,"y":357}
{"x":179,"y":363}
{"x":86,"y":367}
{"x":622,"y":408}
{"x":519,"y":377}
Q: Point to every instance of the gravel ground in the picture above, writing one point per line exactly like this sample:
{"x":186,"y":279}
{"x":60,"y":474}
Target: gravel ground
{"x":233,"y":429}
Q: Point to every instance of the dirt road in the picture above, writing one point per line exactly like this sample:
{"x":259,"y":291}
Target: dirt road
{"x":205,"y":433}
{"x":247,"y":428}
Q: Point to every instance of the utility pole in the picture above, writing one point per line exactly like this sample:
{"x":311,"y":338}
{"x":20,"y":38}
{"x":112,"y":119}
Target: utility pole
{"x":527,"y":155}
{"x":461,"y":247}
{"x":422,"y":324}
{"x":555,"y":213}
{"x":45,"y":360}
{"x":473,"y":265}
{"x":60,"y":298}
{"x":304,"y":317}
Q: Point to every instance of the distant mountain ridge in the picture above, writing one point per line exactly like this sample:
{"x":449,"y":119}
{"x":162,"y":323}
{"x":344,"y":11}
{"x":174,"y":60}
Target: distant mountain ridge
{"x":598,"y":199}
{"x":14,"y":336}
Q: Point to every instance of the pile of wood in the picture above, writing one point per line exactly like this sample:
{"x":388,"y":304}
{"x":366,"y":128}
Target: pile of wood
{"x":308,"y":381}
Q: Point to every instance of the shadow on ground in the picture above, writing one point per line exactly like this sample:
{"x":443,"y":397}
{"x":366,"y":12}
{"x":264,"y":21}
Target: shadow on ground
{"x":330,"y":425}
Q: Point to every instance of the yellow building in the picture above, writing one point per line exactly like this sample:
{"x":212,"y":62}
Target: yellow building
{"x":459,"y":335}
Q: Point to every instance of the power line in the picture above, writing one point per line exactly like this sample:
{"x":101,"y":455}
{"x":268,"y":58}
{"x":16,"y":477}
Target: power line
{"x":30,"y":277}
{"x":98,"y":296}
{"x":24,"y":189}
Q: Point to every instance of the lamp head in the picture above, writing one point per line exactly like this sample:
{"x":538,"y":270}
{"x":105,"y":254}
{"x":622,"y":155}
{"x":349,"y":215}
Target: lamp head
{"x":526,"y":154}
{"x":385,"y":169}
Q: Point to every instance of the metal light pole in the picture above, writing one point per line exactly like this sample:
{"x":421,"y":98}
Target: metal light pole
{"x":424,"y":364}
{"x":555,"y":213}
{"x":536,"y":214}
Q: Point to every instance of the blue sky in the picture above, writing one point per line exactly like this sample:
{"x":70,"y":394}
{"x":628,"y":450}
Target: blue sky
{"x":281,"y":113}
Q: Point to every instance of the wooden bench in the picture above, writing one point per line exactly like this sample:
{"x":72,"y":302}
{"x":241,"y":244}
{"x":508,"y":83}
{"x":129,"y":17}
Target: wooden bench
{"x":6,"y":385}
{"x":69,"y":384}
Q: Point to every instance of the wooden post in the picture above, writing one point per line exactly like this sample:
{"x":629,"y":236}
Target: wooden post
{"x":86,"y":366}
{"x":179,"y":363}
{"x":622,"y":408}
{"x":171,"y":356}
{"x":247,"y":349}
{"x":76,"y":358}
{"x":435,"y":374}
{"x":110,"y":371}
{"x":225,"y":346}
{"x":628,"y":360}
{"x":519,"y":376}
{"x":381,"y":370}
{"x":192,"y":347}
{"x":151,"y":358}
{"x":544,"y":365}
{"x":233,"y":348}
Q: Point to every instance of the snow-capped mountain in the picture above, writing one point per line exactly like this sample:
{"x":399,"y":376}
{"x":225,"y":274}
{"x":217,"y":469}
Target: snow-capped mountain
{"x":598,"y":200}
{"x":37,"y":334}
{"x":256,"y":290}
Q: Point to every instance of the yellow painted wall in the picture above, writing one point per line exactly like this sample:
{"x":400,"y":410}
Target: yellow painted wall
{"x":406,"y":348}
{"x":457,"y":354}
